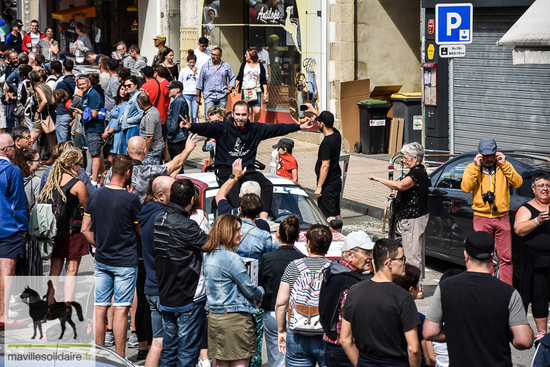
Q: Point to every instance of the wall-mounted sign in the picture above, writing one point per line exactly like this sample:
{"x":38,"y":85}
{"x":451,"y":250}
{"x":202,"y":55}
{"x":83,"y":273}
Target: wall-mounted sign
{"x":431,"y":27}
{"x":381,"y":122}
{"x":417,"y":122}
{"x":431,"y":51}
{"x":448,"y":51}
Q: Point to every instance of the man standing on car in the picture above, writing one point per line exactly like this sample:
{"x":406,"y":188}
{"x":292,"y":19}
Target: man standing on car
{"x":488,"y":177}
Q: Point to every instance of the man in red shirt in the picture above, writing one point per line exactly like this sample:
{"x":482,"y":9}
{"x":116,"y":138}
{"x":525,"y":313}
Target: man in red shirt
{"x":160,"y":75}
{"x":287,"y":166}
{"x":154,"y":89}
{"x":30,"y":40}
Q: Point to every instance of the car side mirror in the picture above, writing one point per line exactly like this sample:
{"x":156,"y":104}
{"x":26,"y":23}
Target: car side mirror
{"x":336,"y":224}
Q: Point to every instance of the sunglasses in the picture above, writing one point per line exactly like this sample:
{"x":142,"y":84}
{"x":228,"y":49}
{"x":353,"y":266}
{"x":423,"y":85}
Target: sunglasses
{"x":128,"y":85}
{"x":9,"y":146}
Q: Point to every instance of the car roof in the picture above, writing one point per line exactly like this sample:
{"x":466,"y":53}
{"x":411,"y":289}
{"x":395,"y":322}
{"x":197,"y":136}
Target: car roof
{"x":209,"y":179}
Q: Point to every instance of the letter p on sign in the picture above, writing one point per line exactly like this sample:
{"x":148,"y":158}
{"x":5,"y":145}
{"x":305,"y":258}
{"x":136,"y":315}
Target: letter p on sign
{"x":453,"y":24}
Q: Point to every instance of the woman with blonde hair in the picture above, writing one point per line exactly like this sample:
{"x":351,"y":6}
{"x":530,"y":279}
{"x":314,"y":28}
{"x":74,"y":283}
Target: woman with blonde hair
{"x":70,"y":245}
{"x":232,"y":298}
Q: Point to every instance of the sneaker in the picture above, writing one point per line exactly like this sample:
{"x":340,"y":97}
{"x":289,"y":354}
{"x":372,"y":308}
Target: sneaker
{"x":109,"y":338}
{"x":420,"y":293}
{"x":133,"y":340}
{"x":142,"y":354}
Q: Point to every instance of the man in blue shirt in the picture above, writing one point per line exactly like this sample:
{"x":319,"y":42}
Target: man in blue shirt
{"x":216,"y":80}
{"x":13,"y":206}
{"x":14,"y":39}
{"x":94,"y":127}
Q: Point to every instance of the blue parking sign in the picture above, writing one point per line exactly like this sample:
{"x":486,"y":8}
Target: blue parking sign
{"x":453,"y":23}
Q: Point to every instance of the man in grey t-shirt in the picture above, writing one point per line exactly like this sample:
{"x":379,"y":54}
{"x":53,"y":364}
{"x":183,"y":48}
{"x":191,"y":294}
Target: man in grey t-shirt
{"x":476,"y":314}
{"x":150,"y":129}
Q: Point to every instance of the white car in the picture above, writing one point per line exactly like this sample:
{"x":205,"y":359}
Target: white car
{"x":288,"y":198}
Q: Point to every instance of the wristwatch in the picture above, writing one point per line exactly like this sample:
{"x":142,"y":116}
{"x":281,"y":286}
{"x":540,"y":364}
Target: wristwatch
{"x":233,"y":177}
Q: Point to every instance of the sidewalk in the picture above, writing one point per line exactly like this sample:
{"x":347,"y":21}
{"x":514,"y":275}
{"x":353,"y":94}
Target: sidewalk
{"x":360,"y":194}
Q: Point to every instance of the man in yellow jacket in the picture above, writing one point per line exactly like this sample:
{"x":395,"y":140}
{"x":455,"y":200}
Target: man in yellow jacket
{"x":488,"y":178}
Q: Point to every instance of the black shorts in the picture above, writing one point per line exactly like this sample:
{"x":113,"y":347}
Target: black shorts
{"x":329,"y":202}
{"x":95,"y":143}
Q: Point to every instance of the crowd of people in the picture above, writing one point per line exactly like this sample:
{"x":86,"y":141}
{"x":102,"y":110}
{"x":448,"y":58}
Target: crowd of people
{"x":115,"y":141}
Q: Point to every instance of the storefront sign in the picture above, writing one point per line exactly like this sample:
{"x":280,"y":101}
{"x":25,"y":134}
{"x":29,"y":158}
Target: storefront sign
{"x":269,"y":16}
{"x":378,"y":122}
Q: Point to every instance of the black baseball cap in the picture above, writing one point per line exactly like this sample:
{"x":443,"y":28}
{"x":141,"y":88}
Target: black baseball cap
{"x":284,"y":143}
{"x":326,"y":116}
{"x":480,"y":245}
{"x":175,"y":84}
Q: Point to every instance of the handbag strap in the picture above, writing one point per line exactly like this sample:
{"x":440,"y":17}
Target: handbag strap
{"x":243,"y":237}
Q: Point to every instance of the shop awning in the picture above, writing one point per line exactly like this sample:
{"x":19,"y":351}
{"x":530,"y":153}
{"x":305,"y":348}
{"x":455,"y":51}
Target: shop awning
{"x":530,"y":35}
{"x":83,"y":11}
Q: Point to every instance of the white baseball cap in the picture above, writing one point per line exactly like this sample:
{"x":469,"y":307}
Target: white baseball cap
{"x":357,"y":239}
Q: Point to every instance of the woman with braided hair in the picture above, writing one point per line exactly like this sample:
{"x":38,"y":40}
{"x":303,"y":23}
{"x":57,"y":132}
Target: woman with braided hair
{"x":63,"y":178}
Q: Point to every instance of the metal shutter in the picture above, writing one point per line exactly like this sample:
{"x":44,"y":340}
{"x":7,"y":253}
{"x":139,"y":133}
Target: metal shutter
{"x":493,"y":97}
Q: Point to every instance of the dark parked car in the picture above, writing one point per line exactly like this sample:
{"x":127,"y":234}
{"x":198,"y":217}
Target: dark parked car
{"x":451,"y":214}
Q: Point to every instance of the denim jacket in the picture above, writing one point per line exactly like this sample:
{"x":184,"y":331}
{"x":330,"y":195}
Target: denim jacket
{"x":174,"y":132}
{"x":228,"y":286}
{"x":255,"y":242}
{"x":132,"y":113}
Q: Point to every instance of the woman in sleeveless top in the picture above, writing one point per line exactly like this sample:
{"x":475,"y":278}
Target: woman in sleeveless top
{"x":533,"y":225}
{"x":62,"y":178}
{"x":252,"y":80}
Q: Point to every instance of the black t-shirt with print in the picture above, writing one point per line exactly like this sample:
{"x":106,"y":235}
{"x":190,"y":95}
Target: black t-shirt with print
{"x":413,"y":203}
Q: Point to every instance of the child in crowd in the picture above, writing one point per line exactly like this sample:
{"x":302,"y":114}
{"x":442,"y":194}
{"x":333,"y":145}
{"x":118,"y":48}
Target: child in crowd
{"x":287,"y":166}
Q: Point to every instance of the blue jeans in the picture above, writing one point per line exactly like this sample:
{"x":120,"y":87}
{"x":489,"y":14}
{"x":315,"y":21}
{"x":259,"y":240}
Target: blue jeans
{"x":193,"y":106}
{"x":62,"y":128}
{"x":304,"y":351}
{"x":156,"y":316}
{"x":335,"y":356}
{"x":274,"y":357}
{"x":183,"y":333}
{"x":209,"y":102}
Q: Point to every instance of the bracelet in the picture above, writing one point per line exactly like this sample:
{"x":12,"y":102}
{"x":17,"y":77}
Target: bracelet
{"x":237,"y":180}
{"x":537,"y":221}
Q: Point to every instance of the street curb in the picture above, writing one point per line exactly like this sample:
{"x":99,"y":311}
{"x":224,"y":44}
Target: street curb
{"x":348,"y":204}
{"x":355,"y":206}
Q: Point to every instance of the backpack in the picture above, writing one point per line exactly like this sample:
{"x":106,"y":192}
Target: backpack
{"x":52,"y":221}
{"x":303,"y":307}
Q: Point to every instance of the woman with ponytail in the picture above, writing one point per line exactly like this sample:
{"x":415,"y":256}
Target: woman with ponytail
{"x":63,"y":179}
{"x":272,"y":267}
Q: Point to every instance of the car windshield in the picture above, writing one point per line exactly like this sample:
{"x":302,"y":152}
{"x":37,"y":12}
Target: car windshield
{"x":287,"y":200}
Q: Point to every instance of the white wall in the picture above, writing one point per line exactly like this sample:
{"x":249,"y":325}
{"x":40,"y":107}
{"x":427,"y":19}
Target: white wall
{"x":149,"y":27}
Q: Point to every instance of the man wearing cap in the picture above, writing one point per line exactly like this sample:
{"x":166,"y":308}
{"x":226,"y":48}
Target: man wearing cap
{"x":477,"y":315}
{"x":327,"y":168}
{"x":14,"y":39}
{"x":337,"y":279}
{"x":380,"y":318}
{"x":176,"y":135}
{"x":287,"y":166}
{"x":488,"y":177}
{"x":160,"y":43}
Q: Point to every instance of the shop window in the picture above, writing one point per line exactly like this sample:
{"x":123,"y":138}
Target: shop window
{"x":272,"y":27}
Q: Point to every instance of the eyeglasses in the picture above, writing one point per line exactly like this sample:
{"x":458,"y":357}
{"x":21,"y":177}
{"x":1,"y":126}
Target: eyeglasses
{"x":203,"y":46}
{"x":9,"y":146}
{"x":404,"y":258}
{"x":26,"y":137}
{"x":543,"y":187}
{"x":216,"y":55}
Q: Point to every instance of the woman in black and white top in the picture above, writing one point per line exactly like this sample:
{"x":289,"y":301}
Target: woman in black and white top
{"x":167,"y":61}
{"x":252,"y":79}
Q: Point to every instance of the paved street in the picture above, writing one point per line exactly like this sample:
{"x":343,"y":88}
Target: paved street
{"x":358,"y":188}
